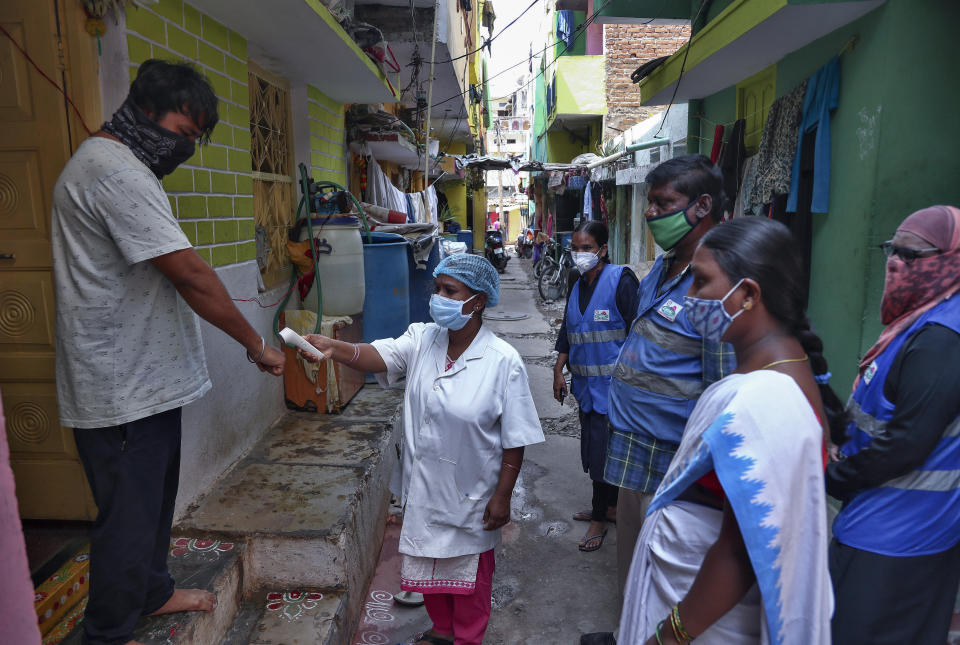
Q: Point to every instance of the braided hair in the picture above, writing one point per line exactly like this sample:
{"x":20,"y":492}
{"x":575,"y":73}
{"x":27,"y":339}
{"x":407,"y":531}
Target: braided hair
{"x":765,"y":250}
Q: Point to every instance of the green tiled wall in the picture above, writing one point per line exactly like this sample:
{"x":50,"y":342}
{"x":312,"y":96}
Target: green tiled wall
{"x":212,"y":193}
{"x":328,"y":154}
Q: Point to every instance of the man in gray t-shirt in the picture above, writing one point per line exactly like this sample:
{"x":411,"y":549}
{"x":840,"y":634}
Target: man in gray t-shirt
{"x":129,"y":287}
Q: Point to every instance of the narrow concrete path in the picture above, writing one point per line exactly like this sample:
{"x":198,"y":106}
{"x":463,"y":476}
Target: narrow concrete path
{"x":545,"y":591}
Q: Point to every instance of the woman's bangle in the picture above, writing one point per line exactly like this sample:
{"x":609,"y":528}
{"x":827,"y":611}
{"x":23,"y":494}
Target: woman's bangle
{"x":511,"y":466}
{"x":263,"y":349}
{"x":657,"y":632}
{"x":677,"y":625}
{"x":356,"y":354}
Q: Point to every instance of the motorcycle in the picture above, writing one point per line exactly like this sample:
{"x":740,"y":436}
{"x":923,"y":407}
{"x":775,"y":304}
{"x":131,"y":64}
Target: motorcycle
{"x":493,"y":250}
{"x":524,"y":248}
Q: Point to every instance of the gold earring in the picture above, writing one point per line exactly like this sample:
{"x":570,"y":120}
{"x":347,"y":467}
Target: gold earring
{"x":748,"y":305}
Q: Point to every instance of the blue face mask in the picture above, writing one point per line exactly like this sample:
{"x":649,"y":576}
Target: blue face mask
{"x":446,"y":312}
{"x":710,"y":317}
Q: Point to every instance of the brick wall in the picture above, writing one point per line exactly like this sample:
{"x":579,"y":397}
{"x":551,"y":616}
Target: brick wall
{"x":212,"y":193}
{"x":328,"y":152}
{"x":627,"y":47}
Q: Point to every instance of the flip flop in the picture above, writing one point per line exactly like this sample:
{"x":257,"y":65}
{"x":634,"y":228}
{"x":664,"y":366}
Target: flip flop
{"x":587,"y":516}
{"x":430,"y":638}
{"x":586,"y":547}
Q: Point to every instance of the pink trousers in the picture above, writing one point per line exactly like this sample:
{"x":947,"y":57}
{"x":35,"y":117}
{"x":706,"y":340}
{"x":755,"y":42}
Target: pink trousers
{"x":465,"y":617}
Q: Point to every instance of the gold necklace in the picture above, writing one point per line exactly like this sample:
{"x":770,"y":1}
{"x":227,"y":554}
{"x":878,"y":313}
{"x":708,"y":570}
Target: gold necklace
{"x":786,"y":360}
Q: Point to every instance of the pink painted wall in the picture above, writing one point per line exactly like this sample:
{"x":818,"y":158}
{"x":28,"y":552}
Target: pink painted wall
{"x":594,"y":34}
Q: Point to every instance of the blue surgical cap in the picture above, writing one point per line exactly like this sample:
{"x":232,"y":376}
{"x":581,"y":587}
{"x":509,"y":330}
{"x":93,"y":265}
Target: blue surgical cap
{"x":475,"y":271}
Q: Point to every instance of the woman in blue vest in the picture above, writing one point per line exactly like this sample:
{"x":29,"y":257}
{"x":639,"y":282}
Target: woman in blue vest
{"x":895,"y":557}
{"x":600,"y":307}
{"x":733,"y":549}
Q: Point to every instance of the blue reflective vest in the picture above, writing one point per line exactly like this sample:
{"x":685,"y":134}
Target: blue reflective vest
{"x":917,"y":513}
{"x":659,"y":373}
{"x":596,"y":337}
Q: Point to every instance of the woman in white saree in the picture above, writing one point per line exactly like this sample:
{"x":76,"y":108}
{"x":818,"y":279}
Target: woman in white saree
{"x":734,"y":546}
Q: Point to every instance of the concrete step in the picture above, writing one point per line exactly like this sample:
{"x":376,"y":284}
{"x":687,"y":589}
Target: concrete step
{"x":201,"y":563}
{"x":310,"y":500}
{"x":292,"y":617}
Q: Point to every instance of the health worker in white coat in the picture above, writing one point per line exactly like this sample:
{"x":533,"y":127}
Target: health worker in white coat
{"x":467,"y":415}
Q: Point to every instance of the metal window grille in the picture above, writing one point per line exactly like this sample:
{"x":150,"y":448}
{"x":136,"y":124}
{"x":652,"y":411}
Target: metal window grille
{"x":272,"y":161}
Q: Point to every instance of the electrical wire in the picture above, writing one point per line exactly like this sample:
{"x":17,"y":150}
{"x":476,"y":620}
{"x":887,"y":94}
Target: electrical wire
{"x":486,"y":43}
{"x":50,"y":80}
{"x":580,"y":30}
{"x":683,"y":64}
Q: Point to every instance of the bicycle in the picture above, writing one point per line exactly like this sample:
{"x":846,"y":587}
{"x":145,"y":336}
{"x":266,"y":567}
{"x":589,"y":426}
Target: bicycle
{"x":552,"y":284}
{"x":547,"y":259}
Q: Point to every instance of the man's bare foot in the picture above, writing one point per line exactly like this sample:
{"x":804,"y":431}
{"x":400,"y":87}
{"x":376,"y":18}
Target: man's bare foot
{"x":188,"y":600}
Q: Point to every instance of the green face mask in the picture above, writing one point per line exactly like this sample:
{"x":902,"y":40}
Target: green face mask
{"x":670,"y":228}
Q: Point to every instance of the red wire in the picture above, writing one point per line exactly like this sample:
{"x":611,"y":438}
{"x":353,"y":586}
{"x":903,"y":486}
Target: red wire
{"x":263,"y":306}
{"x":52,"y":82}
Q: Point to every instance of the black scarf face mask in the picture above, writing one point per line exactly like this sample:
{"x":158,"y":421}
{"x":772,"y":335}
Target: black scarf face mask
{"x":160,"y":149}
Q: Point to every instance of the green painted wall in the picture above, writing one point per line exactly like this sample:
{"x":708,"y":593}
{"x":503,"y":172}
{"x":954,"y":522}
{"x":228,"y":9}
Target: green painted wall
{"x":212,"y":193}
{"x":646,"y":9}
{"x":716,"y":108}
{"x":889,"y":158}
{"x":579,"y":47}
{"x":538,"y":143}
{"x":581,"y":87}
{"x":456,"y":192}
{"x":328,"y":139}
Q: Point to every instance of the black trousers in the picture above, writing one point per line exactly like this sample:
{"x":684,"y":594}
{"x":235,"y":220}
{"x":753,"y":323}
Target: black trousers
{"x":885,"y":600}
{"x":134,"y":471}
{"x":604,"y":496}
{"x":594,"y":434}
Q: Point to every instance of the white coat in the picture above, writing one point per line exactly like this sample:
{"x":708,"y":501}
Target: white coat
{"x":456,"y":425}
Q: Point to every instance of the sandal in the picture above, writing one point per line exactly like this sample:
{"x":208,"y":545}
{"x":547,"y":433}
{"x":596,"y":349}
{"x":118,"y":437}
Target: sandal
{"x":587,"y":547}
{"x":430,"y":638}
{"x":587,"y":516}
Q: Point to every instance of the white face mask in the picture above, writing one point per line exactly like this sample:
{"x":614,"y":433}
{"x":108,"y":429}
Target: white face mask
{"x":584,"y":260}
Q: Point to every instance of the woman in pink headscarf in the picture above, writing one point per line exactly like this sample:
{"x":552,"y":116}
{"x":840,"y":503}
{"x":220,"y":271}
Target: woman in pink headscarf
{"x":895,"y":557}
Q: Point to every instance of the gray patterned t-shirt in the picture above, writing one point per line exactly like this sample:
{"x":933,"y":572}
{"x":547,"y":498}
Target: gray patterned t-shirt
{"x":127,"y":345}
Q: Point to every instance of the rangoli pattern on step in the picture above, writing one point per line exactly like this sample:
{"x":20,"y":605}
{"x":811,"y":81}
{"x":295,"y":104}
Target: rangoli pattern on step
{"x":291,"y":605}
{"x":183,"y":547}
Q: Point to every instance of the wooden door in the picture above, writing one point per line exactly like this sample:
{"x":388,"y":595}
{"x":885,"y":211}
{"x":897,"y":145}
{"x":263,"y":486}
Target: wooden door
{"x":36,"y":139}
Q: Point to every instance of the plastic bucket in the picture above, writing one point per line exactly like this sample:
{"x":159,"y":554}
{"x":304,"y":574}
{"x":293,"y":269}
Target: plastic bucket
{"x":421,"y":284}
{"x":340,"y":265}
{"x":386,"y":307}
{"x":466,"y":236}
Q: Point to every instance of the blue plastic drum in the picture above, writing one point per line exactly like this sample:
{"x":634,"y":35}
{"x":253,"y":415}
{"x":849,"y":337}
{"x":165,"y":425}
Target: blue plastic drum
{"x":421,"y":285}
{"x":386,"y":308}
{"x":466,"y":236}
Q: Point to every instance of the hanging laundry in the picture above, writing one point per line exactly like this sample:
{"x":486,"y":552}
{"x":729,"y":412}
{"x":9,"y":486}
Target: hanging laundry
{"x":742,"y":205}
{"x":717,"y":143}
{"x":380,"y":191}
{"x":565,"y":30}
{"x":820,"y":100}
{"x":731,"y":162}
{"x":750,"y":168}
{"x":588,"y":202}
{"x":778,"y":146}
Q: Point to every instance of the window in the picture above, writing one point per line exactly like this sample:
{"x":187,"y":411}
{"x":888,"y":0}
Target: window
{"x":680,"y":148}
{"x":272,"y":160}
{"x":655,"y":155}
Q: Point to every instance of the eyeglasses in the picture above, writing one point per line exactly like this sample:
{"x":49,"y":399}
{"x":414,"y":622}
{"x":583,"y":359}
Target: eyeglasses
{"x":907,"y":255}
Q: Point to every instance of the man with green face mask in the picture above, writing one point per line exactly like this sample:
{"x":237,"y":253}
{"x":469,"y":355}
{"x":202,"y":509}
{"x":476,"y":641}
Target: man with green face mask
{"x":664,"y":364}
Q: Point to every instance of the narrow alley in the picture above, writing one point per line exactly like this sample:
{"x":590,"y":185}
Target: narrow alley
{"x":545,"y":591}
